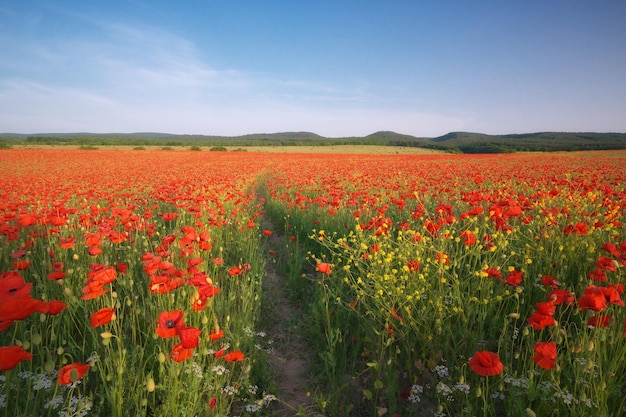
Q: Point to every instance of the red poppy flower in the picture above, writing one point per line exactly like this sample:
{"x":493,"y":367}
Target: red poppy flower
{"x":598,"y":275}
{"x":122,"y":268}
{"x":20,"y":265}
{"x":102,"y":316}
{"x":56,"y":275}
{"x":94,"y":251}
{"x":514,"y":278}
{"x":216,"y":335}
{"x":234,"y":356}
{"x":559,"y":297}
{"x":540,"y":321}
{"x":208,"y":290}
{"x":189,"y":337}
{"x":212,"y":403}
{"x":601,"y":320}
{"x":235,"y":270}
{"x":493,"y":273}
{"x":53,"y":307}
{"x":13,"y":286}
{"x":10,"y":356}
{"x":545,"y":354}
{"x":606,"y":263}
{"x":67,"y":242}
{"x":18,"y":309}
{"x":549,"y":281}
{"x":267,"y":232}
{"x":442,"y":258}
{"x":486,"y":363}
{"x":324,"y":268}
{"x":469,"y":238}
{"x":546,"y":307}
{"x":413,"y":265}
{"x":593,"y":299}
{"x":220,"y":353}
{"x":170,"y":323}
{"x":180,"y":353}
{"x":72,"y":372}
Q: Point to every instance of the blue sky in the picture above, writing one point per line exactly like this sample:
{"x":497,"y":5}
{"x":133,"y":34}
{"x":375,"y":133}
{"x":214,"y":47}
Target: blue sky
{"x":336,"y":68}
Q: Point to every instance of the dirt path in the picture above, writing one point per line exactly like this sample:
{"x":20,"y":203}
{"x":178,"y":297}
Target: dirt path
{"x":291,"y":356}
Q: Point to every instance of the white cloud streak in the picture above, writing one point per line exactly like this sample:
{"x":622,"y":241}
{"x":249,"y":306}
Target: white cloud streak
{"x":134,"y":78}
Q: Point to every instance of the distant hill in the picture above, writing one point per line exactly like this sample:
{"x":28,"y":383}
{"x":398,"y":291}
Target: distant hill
{"x":468,"y":142}
{"x":456,"y":142}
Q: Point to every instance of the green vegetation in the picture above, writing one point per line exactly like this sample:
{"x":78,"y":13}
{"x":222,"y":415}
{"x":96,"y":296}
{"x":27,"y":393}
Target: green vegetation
{"x":454,"y":142}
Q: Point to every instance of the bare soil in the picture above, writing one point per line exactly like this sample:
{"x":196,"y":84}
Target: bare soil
{"x":291,"y":356}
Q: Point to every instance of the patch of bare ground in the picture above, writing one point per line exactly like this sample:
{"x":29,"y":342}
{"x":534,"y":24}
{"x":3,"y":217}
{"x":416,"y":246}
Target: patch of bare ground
{"x":291,"y":355}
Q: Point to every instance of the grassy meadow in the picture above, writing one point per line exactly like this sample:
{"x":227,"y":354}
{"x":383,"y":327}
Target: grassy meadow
{"x":131,"y":282}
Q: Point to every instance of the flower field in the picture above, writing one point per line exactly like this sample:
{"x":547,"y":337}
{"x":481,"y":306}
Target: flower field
{"x":436,"y":285}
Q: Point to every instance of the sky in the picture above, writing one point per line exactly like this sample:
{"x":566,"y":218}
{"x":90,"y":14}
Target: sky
{"x":333,"y":67}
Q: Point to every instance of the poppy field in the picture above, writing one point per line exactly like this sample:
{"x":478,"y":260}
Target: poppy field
{"x":436,"y":285}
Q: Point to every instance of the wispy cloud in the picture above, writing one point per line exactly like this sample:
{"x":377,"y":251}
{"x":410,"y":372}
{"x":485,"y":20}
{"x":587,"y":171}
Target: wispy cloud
{"x":134,"y":77}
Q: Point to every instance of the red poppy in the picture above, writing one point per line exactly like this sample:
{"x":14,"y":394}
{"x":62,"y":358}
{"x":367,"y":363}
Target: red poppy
{"x":170,"y":323}
{"x":546,"y":307}
{"x":72,"y":372}
{"x":540,"y":321}
{"x":18,"y":309}
{"x":212,"y":403}
{"x":53,"y":307}
{"x":323,"y":268}
{"x":486,"y":363}
{"x":545,"y":354}
{"x":216,"y":335}
{"x":593,"y":299}
{"x":413,"y":265}
{"x":606,"y":263}
{"x":13,"y":286}
{"x":267,"y":232}
{"x":180,"y":353}
{"x":95,"y":251}
{"x":102,"y":316}
{"x":235,"y":270}
{"x":208,"y":290}
{"x":189,"y":337}
{"x":514,"y":278}
{"x":469,"y":238}
{"x":549,"y":281}
{"x":234,"y":356}
{"x":559,"y":297}
{"x":493,"y":273}
{"x":442,"y":258}
{"x":20,"y":265}
{"x":67,"y":242}
{"x":601,"y":320}
{"x":220,"y":353}
{"x":598,"y":275}
{"x":122,"y":268}
{"x":56,"y":275}
{"x":10,"y":356}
